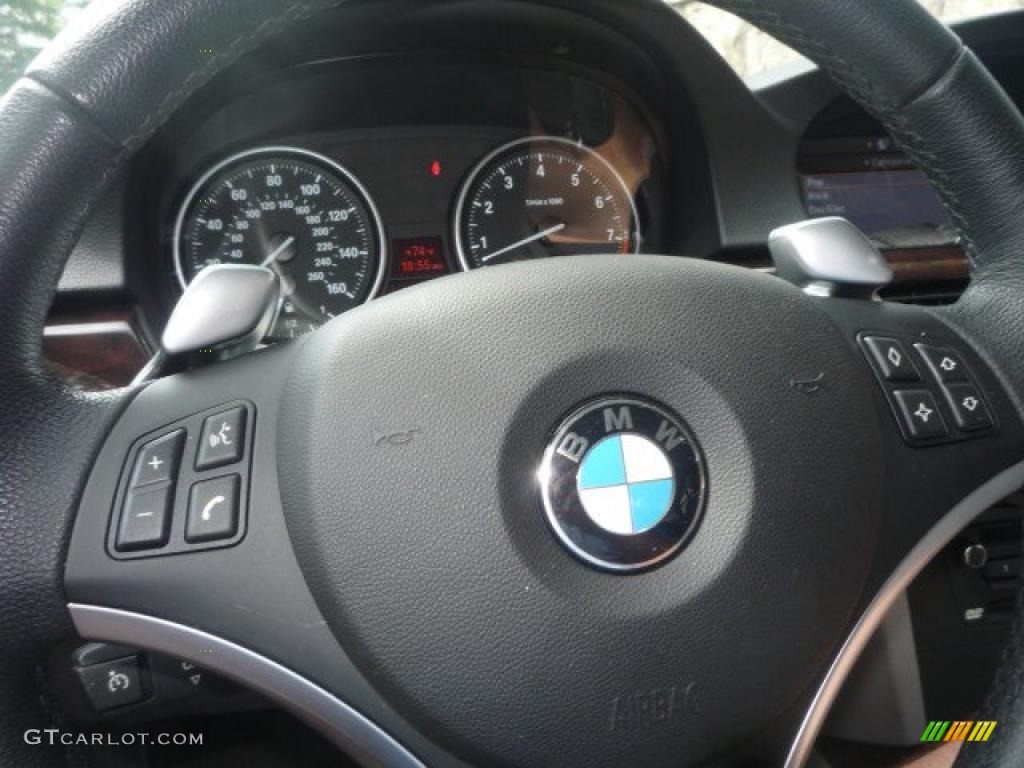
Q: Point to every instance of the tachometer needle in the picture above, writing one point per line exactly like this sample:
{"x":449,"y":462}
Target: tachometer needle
{"x":279,"y":250}
{"x":525,"y":241}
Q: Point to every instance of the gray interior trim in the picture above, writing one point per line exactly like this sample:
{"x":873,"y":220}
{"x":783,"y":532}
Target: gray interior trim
{"x":351,"y":731}
{"x":882,"y":701}
{"x":996,"y":489}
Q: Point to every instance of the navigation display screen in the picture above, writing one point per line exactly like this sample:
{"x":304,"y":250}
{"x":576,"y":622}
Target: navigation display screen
{"x":877,"y":188}
{"x":897,"y":209}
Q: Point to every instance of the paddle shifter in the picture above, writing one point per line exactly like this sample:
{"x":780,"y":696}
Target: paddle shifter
{"x":227,"y":308}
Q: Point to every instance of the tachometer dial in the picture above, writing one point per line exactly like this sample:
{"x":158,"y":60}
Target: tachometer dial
{"x":540,"y":197}
{"x":296,"y":212}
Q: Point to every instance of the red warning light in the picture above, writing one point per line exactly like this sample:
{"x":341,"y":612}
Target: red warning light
{"x":435,"y":168}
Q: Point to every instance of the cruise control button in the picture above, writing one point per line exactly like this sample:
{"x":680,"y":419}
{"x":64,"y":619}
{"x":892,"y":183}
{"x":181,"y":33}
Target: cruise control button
{"x":891,"y":359}
{"x":969,"y":407}
{"x":113,"y":683}
{"x":158,"y":459}
{"x":213,"y":509}
{"x":145,"y":518}
{"x":223,"y":439}
{"x":944,"y":363}
{"x":920,"y":414}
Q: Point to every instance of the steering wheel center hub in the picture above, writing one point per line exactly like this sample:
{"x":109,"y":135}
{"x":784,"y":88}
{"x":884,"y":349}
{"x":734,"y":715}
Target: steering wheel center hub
{"x":432,"y":557}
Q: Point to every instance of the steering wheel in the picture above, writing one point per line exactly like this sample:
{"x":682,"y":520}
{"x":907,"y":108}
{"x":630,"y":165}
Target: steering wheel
{"x":391,"y":576}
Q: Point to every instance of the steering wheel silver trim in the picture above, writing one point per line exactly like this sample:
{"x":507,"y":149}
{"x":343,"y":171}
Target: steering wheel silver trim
{"x":347,"y":728}
{"x":983,"y":498}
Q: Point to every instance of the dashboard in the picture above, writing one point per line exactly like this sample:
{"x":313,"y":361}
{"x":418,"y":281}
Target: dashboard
{"x":445,"y":137}
{"x":372,"y":196}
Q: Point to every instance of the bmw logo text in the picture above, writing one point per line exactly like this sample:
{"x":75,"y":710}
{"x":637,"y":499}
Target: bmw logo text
{"x":622,"y":483}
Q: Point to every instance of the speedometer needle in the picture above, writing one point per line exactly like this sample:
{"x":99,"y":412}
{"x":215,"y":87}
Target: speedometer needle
{"x":279,"y":250}
{"x":524,"y":241}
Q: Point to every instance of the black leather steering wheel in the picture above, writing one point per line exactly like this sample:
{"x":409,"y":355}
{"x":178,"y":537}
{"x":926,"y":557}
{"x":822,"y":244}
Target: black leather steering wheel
{"x":425,"y":619}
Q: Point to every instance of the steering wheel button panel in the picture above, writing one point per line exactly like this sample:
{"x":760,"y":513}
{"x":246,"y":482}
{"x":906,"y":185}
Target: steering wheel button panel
{"x":158,"y":460}
{"x":195,"y":506}
{"x":891,"y":359}
{"x":946,"y":397}
{"x":145,"y":519}
{"x":969,"y":407}
{"x":223,"y":439}
{"x":920,"y":414}
{"x":944,"y":363}
{"x":213,"y":509}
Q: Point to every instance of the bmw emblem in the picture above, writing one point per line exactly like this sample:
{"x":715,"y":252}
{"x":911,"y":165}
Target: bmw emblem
{"x":623,"y":483}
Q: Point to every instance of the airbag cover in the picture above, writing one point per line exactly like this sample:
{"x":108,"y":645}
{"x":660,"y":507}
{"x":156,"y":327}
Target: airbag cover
{"x":410,"y":442}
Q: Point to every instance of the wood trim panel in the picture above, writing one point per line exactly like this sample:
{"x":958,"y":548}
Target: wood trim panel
{"x":96,"y":350}
{"x":910,"y":265}
{"x":925,"y":265}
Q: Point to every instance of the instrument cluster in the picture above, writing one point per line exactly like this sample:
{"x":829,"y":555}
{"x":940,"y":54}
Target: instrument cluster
{"x":347,"y":214}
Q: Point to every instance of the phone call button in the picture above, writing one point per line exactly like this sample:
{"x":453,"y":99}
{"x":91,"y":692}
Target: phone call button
{"x":213,"y":509}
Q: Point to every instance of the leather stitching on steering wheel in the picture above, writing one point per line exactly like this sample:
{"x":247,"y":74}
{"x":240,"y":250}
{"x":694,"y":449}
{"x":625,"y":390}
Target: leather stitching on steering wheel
{"x":235,"y":49}
{"x":852,"y":80}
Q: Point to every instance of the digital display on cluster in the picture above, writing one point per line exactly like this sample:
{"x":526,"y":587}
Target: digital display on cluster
{"x":418,"y":257}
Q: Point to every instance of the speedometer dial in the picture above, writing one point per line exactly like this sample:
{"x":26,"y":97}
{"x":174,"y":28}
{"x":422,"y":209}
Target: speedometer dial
{"x":296,"y":212}
{"x":540,"y":197}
